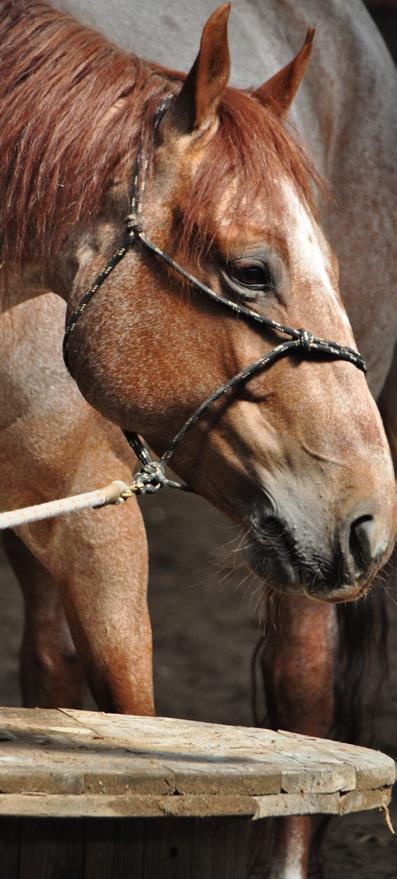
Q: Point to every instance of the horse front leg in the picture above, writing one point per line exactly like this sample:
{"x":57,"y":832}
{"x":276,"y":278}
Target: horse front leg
{"x":298,"y":670}
{"x":99,"y":560}
{"x":50,"y":670}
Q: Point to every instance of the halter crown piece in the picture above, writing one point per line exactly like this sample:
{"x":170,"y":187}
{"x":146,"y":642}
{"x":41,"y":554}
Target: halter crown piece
{"x":151,"y":477}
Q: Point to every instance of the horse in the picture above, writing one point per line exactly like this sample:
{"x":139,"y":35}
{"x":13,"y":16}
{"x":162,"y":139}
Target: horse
{"x":59,"y":240}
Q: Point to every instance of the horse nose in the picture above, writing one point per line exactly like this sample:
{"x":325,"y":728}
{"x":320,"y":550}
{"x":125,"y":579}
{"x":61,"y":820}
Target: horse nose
{"x":364,"y":544}
{"x":336,"y":567}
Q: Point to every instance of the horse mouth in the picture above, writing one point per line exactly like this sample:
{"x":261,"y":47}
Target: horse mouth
{"x":283,"y":564}
{"x":340,"y":595}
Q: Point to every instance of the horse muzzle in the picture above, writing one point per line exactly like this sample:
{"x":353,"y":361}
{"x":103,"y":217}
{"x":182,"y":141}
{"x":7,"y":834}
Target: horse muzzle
{"x":335,"y":567}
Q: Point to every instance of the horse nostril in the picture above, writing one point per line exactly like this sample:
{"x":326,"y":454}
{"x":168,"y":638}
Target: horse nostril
{"x":361,"y":542}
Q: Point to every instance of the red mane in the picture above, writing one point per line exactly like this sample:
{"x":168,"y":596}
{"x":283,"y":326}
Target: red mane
{"x":62,"y":132}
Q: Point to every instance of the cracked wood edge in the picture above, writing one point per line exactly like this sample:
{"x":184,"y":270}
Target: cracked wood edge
{"x":190,"y":805}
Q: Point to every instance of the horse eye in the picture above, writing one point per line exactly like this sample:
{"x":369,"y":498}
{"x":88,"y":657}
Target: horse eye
{"x":252,"y":274}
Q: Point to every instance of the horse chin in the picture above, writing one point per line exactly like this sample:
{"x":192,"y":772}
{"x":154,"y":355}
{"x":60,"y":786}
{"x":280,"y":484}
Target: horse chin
{"x":284,"y":573}
{"x":341,"y":595}
{"x":279,"y":580}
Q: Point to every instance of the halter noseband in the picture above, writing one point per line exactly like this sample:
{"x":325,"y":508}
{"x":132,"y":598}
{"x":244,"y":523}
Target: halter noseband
{"x":151,"y":476}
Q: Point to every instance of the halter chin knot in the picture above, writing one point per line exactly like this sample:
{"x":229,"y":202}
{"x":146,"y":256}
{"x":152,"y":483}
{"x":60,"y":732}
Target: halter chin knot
{"x":150,"y":479}
{"x":133,"y":225}
{"x":305,"y":340}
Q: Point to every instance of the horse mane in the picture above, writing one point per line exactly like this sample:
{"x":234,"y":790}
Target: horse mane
{"x":73,"y":106}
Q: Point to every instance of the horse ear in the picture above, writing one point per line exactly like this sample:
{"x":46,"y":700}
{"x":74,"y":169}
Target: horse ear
{"x":279,"y":91}
{"x":194,"y":109}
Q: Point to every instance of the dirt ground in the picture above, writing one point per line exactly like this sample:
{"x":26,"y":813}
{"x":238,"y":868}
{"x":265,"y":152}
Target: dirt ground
{"x":205,"y":628}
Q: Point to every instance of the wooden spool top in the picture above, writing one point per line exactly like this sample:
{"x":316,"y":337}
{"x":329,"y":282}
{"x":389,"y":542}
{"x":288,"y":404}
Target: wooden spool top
{"x":81,"y":763}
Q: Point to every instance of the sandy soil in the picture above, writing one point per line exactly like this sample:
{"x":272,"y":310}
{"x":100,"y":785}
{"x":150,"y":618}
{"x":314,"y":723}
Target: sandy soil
{"x":205,"y":628}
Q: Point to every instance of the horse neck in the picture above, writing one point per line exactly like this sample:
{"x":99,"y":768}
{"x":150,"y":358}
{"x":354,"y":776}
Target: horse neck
{"x":53,"y":181}
{"x":22,"y":284}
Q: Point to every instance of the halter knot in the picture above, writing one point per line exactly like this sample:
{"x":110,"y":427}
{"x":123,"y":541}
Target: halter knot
{"x":133,"y":225}
{"x":150,"y":479}
{"x":305,"y":340}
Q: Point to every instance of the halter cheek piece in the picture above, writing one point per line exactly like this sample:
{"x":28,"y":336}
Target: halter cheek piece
{"x":151,"y":477}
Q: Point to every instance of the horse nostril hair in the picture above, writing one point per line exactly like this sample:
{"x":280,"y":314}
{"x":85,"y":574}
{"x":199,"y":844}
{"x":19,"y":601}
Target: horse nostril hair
{"x":361,"y":542}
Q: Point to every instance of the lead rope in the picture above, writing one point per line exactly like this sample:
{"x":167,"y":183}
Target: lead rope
{"x":151,"y":477}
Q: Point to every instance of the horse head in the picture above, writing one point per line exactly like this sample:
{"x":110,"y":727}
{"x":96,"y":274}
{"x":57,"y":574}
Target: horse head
{"x":298,"y":453}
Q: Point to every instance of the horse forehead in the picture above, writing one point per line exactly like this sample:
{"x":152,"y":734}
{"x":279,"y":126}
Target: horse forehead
{"x":288,"y":224}
{"x":307,"y":243}
{"x":277,"y":214}
{"x":308,"y":250}
{"x":311,"y":257}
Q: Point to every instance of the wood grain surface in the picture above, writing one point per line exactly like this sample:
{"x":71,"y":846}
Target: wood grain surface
{"x":69,"y":763}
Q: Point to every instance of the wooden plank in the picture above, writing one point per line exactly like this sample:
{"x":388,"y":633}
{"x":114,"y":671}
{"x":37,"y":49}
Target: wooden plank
{"x":202,"y":805}
{"x":186,"y":848}
{"x":14,"y":721}
{"x":219,"y":848}
{"x":191,"y":805}
{"x":178,"y":840}
{"x":360,"y":800}
{"x":155,"y":858}
{"x":46,"y":772}
{"x":322,"y":804}
{"x":122,"y":807}
{"x":167,"y":849}
{"x":51,"y":849}
{"x":227,"y":760}
{"x":324,"y":778}
{"x":235,"y":850}
{"x":371,"y":767}
{"x":96,"y":764}
{"x":114,"y":849}
{"x":9,"y":847}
